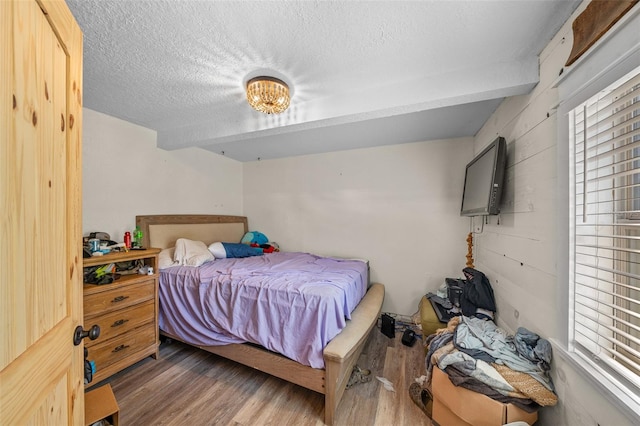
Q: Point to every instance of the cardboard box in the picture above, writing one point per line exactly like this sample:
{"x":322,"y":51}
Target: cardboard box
{"x":453,"y":406}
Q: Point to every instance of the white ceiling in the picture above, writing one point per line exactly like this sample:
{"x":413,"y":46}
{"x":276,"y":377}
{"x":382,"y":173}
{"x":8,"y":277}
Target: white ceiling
{"x":362,"y":73}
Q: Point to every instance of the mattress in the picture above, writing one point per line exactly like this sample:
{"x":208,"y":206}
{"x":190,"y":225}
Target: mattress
{"x":289,"y":303}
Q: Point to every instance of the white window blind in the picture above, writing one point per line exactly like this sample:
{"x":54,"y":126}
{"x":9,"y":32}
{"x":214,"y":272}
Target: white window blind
{"x":605,"y":229}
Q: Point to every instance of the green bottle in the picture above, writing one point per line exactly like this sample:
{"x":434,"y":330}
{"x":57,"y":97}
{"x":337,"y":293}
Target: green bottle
{"x":137,"y":237}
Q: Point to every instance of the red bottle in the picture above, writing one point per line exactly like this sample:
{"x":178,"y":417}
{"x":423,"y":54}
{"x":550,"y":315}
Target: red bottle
{"x":127,"y":239}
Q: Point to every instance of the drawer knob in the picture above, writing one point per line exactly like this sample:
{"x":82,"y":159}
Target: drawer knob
{"x":119,"y":348}
{"x":119,"y":299}
{"x":119,"y":322}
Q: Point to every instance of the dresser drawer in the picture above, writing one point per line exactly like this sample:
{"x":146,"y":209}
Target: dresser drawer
{"x":121,"y":321}
{"x":118,"y":298}
{"x":113,"y":350}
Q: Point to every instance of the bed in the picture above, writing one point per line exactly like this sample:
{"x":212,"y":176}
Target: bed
{"x":339,"y":355}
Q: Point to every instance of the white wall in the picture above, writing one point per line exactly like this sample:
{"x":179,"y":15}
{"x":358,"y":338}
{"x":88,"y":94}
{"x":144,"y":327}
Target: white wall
{"x":125,"y":174}
{"x":519,"y":254}
{"x":397,"y":206}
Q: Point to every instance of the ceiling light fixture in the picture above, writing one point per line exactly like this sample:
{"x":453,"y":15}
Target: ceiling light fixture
{"x":268,"y":94}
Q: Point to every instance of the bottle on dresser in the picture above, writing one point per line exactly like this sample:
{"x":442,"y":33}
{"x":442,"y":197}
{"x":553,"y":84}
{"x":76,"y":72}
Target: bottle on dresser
{"x":137,"y":238}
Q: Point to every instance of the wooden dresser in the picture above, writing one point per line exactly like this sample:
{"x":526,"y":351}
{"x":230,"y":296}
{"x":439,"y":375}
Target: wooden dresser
{"x":126,"y":312}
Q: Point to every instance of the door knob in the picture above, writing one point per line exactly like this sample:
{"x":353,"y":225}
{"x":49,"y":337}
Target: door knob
{"x":80,"y":334}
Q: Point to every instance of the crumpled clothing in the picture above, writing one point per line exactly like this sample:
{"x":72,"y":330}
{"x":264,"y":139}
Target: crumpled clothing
{"x":442,"y":338}
{"x":478,"y":369}
{"x":528,"y":386}
{"x":445,"y":303}
{"x":500,"y":378}
{"x":460,"y":379}
{"x":433,"y":360}
{"x":475,"y":353}
{"x":474,"y":333}
{"x":533,"y":347}
{"x":476,"y":293}
{"x":438,"y":341}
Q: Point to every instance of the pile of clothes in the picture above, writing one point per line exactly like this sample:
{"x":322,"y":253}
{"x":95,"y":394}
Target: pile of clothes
{"x":479,"y":356}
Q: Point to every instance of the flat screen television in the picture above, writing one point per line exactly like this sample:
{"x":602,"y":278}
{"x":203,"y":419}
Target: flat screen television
{"x":483,"y":181}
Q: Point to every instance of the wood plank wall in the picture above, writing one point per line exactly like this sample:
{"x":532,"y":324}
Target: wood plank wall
{"x":517,"y":248}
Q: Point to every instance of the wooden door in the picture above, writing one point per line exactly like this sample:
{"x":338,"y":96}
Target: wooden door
{"x":41,"y":371}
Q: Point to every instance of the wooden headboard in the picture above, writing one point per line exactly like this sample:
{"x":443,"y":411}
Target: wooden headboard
{"x":162,"y":231}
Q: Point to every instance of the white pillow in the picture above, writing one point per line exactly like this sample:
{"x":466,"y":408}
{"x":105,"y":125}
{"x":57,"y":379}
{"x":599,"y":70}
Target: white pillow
{"x":165,"y":258}
{"x":217,"y":250}
{"x":191,"y":253}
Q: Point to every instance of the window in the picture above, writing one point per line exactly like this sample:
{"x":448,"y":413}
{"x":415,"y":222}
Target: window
{"x":604,"y":319}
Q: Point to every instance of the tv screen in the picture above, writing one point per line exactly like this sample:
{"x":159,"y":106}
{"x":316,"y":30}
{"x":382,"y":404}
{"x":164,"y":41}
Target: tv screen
{"x":483,"y":181}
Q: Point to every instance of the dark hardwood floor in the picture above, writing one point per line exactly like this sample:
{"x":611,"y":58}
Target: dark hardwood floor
{"x":188,"y":386}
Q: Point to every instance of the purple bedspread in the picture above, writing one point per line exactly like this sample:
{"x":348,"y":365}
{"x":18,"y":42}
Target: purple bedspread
{"x":290,"y":303}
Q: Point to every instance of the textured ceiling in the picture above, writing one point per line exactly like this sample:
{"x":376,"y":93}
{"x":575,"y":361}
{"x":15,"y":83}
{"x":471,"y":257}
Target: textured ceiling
{"x":362,"y":73}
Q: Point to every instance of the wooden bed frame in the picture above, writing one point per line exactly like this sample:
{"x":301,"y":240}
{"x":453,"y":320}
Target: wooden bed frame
{"x":340,"y":355}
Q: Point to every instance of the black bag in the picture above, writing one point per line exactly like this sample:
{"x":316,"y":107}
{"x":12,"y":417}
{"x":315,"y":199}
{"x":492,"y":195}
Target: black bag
{"x":476,"y":293}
